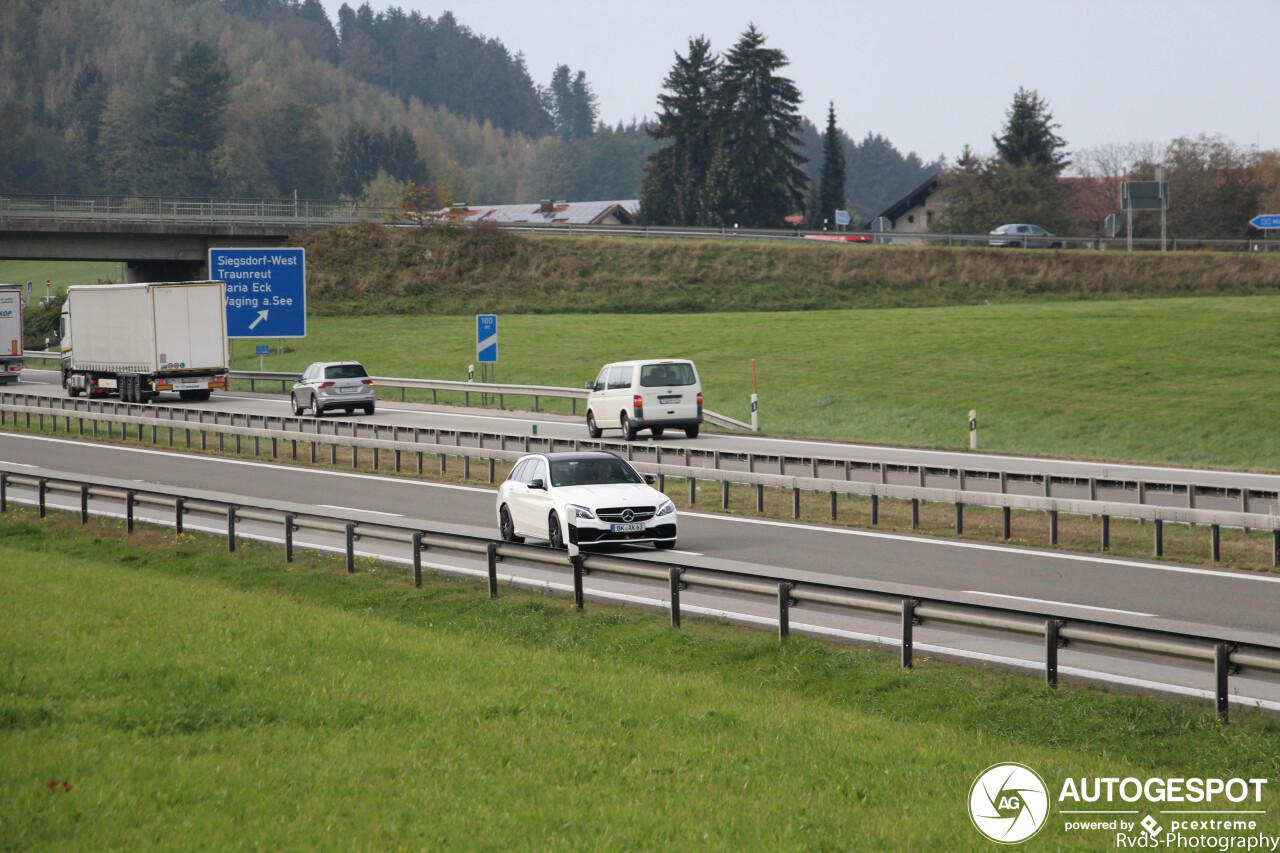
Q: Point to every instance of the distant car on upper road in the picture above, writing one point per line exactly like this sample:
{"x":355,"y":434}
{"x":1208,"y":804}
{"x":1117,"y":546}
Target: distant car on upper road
{"x":333,"y":385}
{"x":584,"y":498}
{"x":1021,"y":235}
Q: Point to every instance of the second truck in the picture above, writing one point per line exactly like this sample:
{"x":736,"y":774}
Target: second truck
{"x":139,"y":340}
{"x":10,"y":333}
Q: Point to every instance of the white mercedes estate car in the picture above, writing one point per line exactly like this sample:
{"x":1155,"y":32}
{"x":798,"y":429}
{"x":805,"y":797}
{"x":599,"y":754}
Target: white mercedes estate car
{"x":587,"y":498}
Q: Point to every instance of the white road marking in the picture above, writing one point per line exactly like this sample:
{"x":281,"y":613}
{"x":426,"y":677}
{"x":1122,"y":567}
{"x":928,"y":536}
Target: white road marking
{"x":274,"y":467}
{"x":1058,"y":603}
{"x":841,"y":531}
{"x":358,"y":509}
{"x":24,"y":465}
{"x":686,"y":553}
{"x":979,"y":546}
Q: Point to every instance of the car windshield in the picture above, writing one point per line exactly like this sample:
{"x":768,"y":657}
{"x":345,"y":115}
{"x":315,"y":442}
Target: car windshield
{"x":592,"y":472}
{"x":344,"y":371}
{"x":655,"y":375}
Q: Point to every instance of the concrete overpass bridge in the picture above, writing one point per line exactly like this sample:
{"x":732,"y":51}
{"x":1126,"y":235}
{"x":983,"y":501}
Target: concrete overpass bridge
{"x":157,"y":239}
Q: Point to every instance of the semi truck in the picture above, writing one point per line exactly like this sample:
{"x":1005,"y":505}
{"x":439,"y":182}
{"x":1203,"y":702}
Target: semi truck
{"x":10,"y":332}
{"x":138,"y":340}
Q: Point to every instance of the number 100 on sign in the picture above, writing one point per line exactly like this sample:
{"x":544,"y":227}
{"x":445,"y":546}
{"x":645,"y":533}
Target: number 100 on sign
{"x":487,"y":338}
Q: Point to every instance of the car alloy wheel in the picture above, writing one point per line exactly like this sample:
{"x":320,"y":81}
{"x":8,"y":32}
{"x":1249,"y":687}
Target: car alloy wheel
{"x":592,"y":429}
{"x":507,"y":527}
{"x":297,"y":410}
{"x":554,"y":536}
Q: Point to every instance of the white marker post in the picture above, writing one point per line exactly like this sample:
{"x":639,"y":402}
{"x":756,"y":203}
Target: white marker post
{"x":755,"y":400}
{"x":973,"y":429}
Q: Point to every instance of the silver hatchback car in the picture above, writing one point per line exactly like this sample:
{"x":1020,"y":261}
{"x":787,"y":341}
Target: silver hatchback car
{"x":333,"y":385}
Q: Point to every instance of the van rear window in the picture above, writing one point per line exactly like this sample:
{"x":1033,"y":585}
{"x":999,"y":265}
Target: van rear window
{"x":655,"y":375}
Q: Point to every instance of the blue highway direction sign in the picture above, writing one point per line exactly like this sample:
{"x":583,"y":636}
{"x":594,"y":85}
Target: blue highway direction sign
{"x":487,"y":338}
{"x":266,"y":291}
{"x":1267,"y":220}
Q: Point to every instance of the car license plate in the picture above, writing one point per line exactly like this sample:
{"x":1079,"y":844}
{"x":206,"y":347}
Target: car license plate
{"x":627,"y":528}
{"x":350,"y":390}
{"x":188,"y":386}
{"x":668,"y":400}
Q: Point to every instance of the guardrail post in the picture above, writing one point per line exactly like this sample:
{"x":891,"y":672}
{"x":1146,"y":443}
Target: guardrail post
{"x":231,"y":529}
{"x":1222,"y":669}
{"x":759,"y":497}
{"x":84,"y":503}
{"x":1106,"y":533}
{"x":676,"y":586}
{"x":1215,"y":543}
{"x":1053,"y":527}
{"x":1191,"y":500}
{"x":909,"y":621}
{"x":724,"y":495}
{"x":492,"y":469}
{"x":179,"y":507}
{"x":1159,"y":525}
{"x":129,"y":498}
{"x":576,"y":560}
{"x":1052,"y":642}
{"x":289,"y":527}
{"x":959,"y":519}
{"x":4,"y":492}
{"x":417,"y":559}
{"x":1006,"y":522}
{"x":351,"y":548}
{"x":875,"y":509}
{"x":466,"y":467}
{"x":355,"y":457}
{"x":784,"y":609}
{"x":834,"y":506}
{"x":491,"y":555}
{"x":915,"y":514}
{"x":42,"y":488}
{"x":795,"y":503}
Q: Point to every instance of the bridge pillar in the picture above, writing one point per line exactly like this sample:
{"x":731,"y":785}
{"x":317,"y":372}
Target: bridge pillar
{"x":137,"y":272}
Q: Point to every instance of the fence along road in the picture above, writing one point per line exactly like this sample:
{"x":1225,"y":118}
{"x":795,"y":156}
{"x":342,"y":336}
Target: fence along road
{"x":800,"y":466}
{"x":1077,"y":640}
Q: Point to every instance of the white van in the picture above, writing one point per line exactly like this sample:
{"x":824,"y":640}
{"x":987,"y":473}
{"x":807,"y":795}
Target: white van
{"x":652,"y":395}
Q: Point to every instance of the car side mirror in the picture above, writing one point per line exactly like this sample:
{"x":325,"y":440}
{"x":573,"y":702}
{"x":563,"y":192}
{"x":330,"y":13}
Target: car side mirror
{"x":538,"y":484}
{"x":650,"y":479}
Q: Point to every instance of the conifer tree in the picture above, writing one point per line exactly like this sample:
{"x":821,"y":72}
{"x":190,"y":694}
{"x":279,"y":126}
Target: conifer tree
{"x":676,"y":174}
{"x":758,"y":124}
{"x":188,"y":124}
{"x":1028,"y":137}
{"x":831,"y":183}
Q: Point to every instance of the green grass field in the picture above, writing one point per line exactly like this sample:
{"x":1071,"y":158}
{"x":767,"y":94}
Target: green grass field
{"x":1177,"y":381}
{"x":61,"y":274}
{"x":158,"y":693}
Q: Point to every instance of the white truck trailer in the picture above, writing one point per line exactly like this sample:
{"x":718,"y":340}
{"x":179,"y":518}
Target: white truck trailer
{"x":10,"y":332}
{"x":139,"y":340}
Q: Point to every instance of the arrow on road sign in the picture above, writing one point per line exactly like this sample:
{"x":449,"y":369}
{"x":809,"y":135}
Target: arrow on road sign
{"x":262,"y":315}
{"x":1267,"y":220}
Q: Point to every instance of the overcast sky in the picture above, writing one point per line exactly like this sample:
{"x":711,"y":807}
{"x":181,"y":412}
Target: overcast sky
{"x":930,"y":75}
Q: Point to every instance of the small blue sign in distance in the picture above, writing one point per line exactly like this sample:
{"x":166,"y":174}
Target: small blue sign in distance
{"x":266,"y":291}
{"x":487,"y":338}
{"x":263,"y":349}
{"x":842,"y":217}
{"x":1267,"y":220}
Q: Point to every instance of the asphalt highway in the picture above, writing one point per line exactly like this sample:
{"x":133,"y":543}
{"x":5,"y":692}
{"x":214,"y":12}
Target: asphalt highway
{"x":47,"y":383}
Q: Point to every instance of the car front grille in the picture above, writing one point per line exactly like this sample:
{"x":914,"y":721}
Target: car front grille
{"x":614,"y":513}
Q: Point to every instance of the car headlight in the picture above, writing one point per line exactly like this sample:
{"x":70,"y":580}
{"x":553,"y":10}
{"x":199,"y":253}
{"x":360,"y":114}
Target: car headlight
{"x":579,"y":511}
{"x":667,"y":508}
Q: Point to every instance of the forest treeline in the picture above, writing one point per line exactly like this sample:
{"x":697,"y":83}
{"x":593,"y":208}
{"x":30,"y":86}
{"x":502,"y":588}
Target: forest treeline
{"x":262,"y":98}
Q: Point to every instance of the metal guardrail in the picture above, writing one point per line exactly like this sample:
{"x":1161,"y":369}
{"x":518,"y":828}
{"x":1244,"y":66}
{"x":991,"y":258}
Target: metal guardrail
{"x":1212,"y":519}
{"x":112,"y":208}
{"x":1227,"y":655}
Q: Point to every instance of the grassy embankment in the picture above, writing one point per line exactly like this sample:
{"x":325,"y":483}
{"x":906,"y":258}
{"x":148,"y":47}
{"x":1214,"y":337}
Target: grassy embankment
{"x":157,"y":693}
